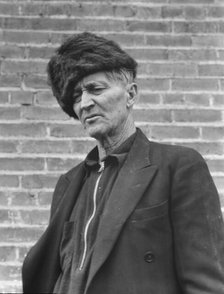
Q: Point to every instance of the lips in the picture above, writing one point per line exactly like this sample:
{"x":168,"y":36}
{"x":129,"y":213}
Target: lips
{"x":91,"y":117}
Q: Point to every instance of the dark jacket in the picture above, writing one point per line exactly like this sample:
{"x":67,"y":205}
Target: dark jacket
{"x":161,"y":231}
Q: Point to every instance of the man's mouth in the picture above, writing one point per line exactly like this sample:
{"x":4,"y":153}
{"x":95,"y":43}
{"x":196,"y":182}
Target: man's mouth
{"x":91,"y":118}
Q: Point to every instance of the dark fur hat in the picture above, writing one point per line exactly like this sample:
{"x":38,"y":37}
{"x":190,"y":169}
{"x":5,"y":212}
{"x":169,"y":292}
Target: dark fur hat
{"x":81,"y":55}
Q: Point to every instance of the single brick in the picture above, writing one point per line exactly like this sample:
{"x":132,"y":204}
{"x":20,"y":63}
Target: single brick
{"x":148,"y":53}
{"x":213,"y":133}
{"x":193,"y":1}
{"x":9,"y":113}
{"x":218,"y":99}
{"x":4,"y":97}
{"x":22,"y":97}
{"x":43,"y":113}
{"x":171,"y":69}
{"x":149,"y":26}
{"x":33,"y":8}
{"x":82,"y":146}
{"x":10,"y":272}
{"x":216,"y":165}
{"x":196,"y":27}
{"x":172,"y":12}
{"x":194,"y":12}
{"x":36,"y":81}
{"x":154,"y":84}
{"x":21,"y":164}
{"x":148,"y":12}
{"x":173,"y":98}
{"x":10,"y":80}
{"x":8,"y":146}
{"x":23,"y":129}
{"x":1,"y":35}
{"x":73,"y":9}
{"x":38,"y":181}
{"x":20,"y":234}
{"x":222,"y":84}
{"x":15,"y":287}
{"x":221,"y":27}
{"x":188,"y":84}
{"x":197,"y":99}
{"x":169,"y":40}
{"x":211,"y":70}
{"x":111,"y":25}
{"x":67,"y":130}
{"x":210,"y":41}
{"x":192,"y":54}
{"x":148,"y":98}
{"x":9,"y":181}
{"x":9,"y":8}
{"x":11,"y":51}
{"x":220,"y":54}
{"x":45,"y":146}
{"x":24,"y":66}
{"x":197,"y":115}
{"x":215,"y":11}
{"x":56,"y":38}
{"x":45,"y":198}
{"x":40,"y":52}
{"x":122,"y":11}
{"x":180,"y":132}
{"x":45,"y":98}
{"x":91,"y":9}
{"x":124,"y":39}
{"x":22,"y":199}
{"x":61,"y":164}
{"x":152,"y":115}
{"x":7,"y":253}
{"x":18,"y":37}
{"x":5,"y":217}
{"x":35,"y":217}
{"x":38,"y":23}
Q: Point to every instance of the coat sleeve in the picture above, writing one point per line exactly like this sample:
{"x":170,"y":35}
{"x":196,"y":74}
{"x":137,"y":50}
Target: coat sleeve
{"x":198,"y":229}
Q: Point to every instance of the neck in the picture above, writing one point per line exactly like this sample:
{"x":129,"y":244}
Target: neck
{"x":109,"y":144}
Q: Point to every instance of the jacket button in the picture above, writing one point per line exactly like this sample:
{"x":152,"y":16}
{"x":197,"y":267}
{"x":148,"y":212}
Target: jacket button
{"x":149,"y":257}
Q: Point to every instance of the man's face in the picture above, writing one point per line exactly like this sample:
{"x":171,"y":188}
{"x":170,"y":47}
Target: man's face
{"x":101,"y":105}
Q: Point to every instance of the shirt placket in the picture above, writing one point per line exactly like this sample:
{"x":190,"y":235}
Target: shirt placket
{"x":91,"y":218}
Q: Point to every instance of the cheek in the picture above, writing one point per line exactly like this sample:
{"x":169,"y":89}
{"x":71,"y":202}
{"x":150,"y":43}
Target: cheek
{"x":76,"y":108}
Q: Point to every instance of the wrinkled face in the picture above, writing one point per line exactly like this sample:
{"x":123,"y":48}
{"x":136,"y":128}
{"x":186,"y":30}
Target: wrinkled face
{"x":101,"y":104}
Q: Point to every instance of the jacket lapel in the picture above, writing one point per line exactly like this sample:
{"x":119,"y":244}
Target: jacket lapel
{"x":45,"y":254}
{"x":134,"y":177}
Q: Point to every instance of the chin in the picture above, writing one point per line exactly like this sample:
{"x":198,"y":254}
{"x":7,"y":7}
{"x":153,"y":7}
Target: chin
{"x":96,"y":132}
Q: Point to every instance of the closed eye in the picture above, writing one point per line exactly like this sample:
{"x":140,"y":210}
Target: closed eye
{"x":77,"y":96}
{"x":95,"y":90}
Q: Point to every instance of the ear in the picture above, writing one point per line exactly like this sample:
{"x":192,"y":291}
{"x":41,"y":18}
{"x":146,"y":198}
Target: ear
{"x":132,"y":90}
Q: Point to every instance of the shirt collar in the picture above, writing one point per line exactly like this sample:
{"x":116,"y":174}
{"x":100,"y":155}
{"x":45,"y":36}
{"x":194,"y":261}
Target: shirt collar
{"x":118,"y":155}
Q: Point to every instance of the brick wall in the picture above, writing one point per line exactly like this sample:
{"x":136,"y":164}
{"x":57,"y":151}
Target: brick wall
{"x":179,"y":45}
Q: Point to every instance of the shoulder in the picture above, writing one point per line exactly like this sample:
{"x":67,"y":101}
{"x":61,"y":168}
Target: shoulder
{"x":70,"y":174}
{"x":174,"y":155}
{"x":62,"y":185}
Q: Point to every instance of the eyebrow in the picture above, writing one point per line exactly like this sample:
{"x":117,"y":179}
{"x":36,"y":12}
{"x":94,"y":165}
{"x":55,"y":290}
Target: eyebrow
{"x":94,"y":83}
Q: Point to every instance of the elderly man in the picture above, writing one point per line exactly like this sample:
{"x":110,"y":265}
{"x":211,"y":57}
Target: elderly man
{"x":136,"y":216}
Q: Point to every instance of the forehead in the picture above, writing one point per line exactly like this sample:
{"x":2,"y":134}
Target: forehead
{"x":99,"y":77}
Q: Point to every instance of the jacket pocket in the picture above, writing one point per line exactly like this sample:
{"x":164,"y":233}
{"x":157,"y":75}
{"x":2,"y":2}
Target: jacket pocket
{"x":150,"y":212}
{"x":66,"y":247}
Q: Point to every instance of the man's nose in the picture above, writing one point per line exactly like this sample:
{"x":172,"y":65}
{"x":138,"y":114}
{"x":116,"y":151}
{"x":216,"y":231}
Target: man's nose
{"x":86,"y":100}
